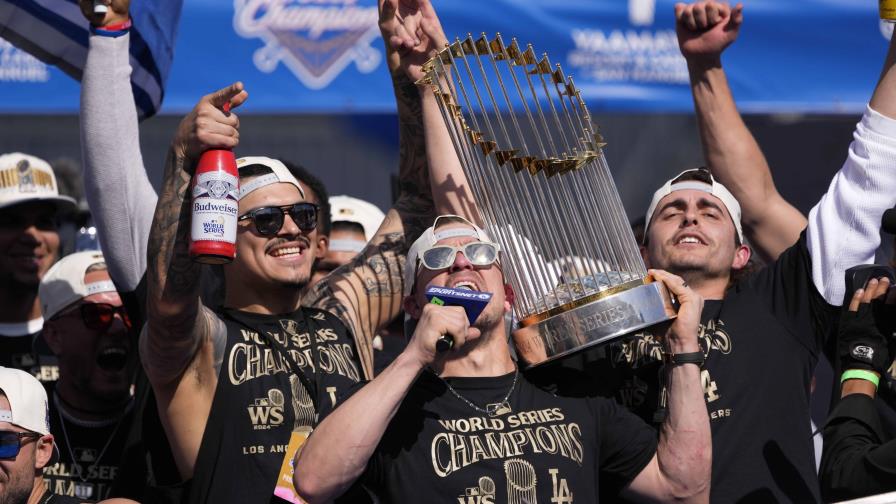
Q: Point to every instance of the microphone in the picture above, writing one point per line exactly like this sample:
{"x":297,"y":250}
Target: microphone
{"x":473,"y":302}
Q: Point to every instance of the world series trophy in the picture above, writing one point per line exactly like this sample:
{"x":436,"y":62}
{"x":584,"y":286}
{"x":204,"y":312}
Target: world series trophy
{"x":536,"y":168}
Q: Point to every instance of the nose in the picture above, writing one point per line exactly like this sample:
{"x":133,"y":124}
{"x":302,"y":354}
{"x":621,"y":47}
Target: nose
{"x":689,"y":217}
{"x":289,"y":226}
{"x":460,"y":263}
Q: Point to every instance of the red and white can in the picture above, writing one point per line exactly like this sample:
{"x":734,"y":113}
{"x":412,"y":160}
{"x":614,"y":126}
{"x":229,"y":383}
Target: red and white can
{"x":214,"y":208}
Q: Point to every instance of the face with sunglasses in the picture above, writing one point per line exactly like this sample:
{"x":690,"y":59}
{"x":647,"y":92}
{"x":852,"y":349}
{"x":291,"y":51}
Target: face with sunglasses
{"x":21,"y":453}
{"x":277,"y":239}
{"x":461,"y":262}
{"x":96,"y":347}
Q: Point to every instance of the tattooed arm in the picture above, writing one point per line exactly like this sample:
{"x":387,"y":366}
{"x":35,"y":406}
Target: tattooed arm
{"x":182,"y":344}
{"x":366,"y":294}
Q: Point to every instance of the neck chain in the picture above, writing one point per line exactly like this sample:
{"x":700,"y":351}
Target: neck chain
{"x":68,"y":444}
{"x":494,"y":409}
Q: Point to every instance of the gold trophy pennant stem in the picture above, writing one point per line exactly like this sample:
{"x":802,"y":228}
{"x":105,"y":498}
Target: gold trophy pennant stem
{"x":502,"y":156}
{"x":488,"y":146}
{"x":482,"y":45}
{"x":523,"y":163}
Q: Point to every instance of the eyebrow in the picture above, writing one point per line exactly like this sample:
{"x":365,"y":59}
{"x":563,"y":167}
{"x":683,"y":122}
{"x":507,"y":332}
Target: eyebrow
{"x":681,"y":204}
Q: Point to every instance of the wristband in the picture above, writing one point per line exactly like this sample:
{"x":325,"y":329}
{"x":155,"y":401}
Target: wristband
{"x":112,"y":30}
{"x":684,"y":358}
{"x":860,"y":374}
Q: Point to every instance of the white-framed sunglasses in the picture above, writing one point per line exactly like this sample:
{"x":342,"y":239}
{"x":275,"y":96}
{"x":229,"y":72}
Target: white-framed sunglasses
{"x":442,"y":256}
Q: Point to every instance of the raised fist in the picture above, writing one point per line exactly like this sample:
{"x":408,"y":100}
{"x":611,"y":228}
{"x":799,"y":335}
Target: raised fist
{"x":116,"y":11}
{"x":706,"y":28}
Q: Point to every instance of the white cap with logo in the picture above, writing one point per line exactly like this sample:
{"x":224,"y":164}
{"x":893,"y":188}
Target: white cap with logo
{"x":25,"y":178}
{"x":64,"y":283}
{"x":279,"y":173}
{"x":348,"y":209}
{"x":28,"y":406}
{"x":699,"y":179}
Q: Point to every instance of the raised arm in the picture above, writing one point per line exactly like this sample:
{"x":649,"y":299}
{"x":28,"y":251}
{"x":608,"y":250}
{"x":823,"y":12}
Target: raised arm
{"x":366,"y":293}
{"x":338,"y":451}
{"x":844,"y":227}
{"x":182,"y":344}
{"x":680,"y":470}
{"x":704,"y":30}
{"x":118,"y":191}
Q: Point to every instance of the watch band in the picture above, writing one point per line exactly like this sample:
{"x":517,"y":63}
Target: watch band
{"x":684,"y":358}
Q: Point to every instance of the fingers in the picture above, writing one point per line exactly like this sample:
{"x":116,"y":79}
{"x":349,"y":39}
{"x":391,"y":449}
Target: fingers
{"x":433,"y":31}
{"x":701,"y":16}
{"x":856,"y":300}
{"x":674,"y":283}
{"x":232,"y":94}
{"x":737,"y":16}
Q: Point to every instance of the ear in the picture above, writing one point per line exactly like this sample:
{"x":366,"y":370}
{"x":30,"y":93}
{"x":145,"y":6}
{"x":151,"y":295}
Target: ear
{"x":43,"y":451}
{"x":741,"y":257}
{"x":51,"y":335}
{"x":645,"y":255}
{"x":411,"y":307}
{"x":509,"y":297}
{"x":323,"y":246}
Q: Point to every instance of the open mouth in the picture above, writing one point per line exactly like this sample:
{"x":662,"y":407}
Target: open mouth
{"x":112,"y":359}
{"x":465,"y":285}
{"x":288,"y":250}
{"x":689,"y":240}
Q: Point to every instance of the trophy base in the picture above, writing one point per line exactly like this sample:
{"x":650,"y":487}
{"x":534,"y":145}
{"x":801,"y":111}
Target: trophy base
{"x":599,"y":321}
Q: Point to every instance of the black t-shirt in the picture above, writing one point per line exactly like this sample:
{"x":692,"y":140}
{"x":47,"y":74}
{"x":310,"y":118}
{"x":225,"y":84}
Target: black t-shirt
{"x":29,"y":352}
{"x":260,"y":399}
{"x":545,"y":449}
{"x":90,"y":453}
{"x":761,"y":342}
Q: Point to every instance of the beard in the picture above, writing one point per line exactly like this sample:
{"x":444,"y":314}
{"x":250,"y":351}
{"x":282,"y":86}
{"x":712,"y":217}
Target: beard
{"x":18,"y":488}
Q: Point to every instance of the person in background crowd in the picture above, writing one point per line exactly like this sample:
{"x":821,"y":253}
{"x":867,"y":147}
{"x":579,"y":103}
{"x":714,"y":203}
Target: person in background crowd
{"x":92,"y":406}
{"x":353,"y":223}
{"x":859,"y":456}
{"x":27,"y":446}
{"x":30,"y":211}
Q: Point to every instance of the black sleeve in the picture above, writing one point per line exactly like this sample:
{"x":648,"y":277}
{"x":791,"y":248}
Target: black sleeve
{"x":855,"y":461}
{"x":788,"y":291}
{"x":625,"y":445}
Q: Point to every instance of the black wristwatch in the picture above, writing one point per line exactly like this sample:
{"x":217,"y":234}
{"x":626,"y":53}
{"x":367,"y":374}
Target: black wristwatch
{"x":684,"y":358}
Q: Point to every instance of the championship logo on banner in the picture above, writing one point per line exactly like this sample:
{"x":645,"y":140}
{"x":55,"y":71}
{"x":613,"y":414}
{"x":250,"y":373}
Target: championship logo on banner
{"x":315,"y":39}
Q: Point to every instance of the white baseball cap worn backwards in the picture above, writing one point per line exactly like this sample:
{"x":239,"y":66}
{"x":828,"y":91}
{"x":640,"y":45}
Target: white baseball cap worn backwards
{"x":699,"y":179}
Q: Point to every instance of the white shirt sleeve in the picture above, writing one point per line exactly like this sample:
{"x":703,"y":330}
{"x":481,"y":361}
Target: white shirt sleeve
{"x":119,"y":193}
{"x":844,"y":227}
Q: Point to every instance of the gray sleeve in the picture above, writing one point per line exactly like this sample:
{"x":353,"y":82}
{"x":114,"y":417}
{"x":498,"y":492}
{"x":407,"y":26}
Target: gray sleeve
{"x":118,"y":191}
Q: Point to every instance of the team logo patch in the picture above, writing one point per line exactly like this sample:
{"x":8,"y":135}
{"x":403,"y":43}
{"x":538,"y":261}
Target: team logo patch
{"x":315,"y":39}
{"x":863,"y":353}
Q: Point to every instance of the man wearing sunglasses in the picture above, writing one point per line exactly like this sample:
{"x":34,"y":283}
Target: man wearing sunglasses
{"x":444,"y":426}
{"x":91,"y":409}
{"x":27,"y":447}
{"x":239,"y":388}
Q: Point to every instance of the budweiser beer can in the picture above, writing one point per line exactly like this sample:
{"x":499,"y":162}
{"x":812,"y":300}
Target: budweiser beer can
{"x":887,"y":9}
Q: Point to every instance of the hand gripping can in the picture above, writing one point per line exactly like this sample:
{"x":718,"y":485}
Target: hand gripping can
{"x":215,"y":207}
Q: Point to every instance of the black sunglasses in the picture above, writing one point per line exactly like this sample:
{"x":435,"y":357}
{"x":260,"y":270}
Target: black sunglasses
{"x":99,"y":316}
{"x":11,"y":442}
{"x":269,"y":220}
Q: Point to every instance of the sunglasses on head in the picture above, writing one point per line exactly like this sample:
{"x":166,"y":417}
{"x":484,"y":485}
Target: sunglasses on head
{"x":442,"y":256}
{"x":99,"y":316}
{"x":269,"y":220}
{"x":11,"y":442}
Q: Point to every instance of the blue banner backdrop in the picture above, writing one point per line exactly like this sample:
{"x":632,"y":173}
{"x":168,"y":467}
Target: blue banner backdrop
{"x":310,"y":56}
